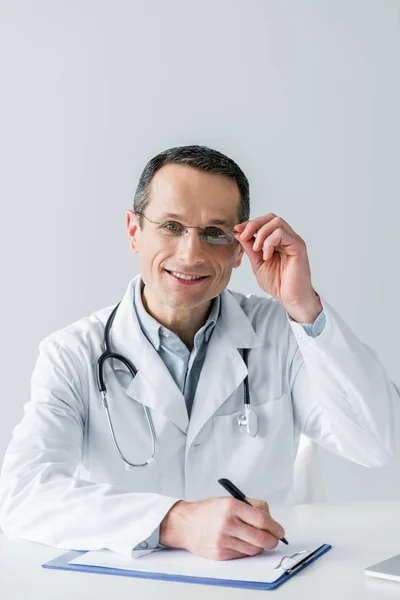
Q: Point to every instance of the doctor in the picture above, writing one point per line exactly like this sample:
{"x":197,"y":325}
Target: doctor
{"x":64,"y":482}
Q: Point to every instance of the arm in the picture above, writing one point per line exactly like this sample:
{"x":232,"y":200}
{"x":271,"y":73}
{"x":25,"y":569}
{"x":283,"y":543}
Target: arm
{"x":40,"y":497}
{"x":342,"y":395}
{"x":43,"y":501}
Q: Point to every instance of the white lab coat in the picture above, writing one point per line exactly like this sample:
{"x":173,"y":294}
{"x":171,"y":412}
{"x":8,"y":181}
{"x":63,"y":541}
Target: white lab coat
{"x":63,"y":483}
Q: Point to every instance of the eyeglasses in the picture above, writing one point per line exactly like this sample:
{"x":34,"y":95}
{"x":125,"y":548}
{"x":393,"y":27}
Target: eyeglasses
{"x":210,"y":234}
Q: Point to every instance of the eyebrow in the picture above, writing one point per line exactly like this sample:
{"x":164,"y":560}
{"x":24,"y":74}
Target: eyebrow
{"x":212,"y":221}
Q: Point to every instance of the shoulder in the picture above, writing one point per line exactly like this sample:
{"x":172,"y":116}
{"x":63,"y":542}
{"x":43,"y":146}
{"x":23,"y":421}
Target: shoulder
{"x":82,"y":338}
{"x":85,"y":336}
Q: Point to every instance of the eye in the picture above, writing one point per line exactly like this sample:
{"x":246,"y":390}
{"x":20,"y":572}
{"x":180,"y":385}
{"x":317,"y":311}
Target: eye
{"x":172,"y":227}
{"x":213,"y":232}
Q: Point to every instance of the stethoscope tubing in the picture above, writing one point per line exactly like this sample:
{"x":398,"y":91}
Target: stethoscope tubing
{"x":248,"y":421}
{"x":107,"y":355}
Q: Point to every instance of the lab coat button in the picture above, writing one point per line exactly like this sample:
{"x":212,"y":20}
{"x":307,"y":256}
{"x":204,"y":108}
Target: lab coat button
{"x":143,"y":544}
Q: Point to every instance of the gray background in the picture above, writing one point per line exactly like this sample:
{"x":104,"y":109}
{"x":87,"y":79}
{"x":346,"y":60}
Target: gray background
{"x":304,"y":95}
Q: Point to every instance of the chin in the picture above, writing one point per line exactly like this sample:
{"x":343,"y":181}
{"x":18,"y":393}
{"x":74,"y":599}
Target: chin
{"x":184,"y":300}
{"x":184,"y":303}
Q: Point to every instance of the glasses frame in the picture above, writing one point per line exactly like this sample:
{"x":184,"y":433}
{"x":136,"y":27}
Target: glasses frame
{"x":230,"y":236}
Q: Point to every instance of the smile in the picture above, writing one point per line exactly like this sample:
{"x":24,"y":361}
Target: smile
{"x":187,"y":279}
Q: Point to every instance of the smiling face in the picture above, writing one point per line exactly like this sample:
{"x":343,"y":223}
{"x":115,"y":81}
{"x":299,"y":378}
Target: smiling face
{"x":194,"y":198}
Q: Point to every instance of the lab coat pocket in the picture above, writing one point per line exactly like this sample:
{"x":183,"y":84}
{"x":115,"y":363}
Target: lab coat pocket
{"x":262,"y":464}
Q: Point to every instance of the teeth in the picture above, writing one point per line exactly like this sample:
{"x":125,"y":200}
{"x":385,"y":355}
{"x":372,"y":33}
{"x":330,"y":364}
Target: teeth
{"x":180,"y":276}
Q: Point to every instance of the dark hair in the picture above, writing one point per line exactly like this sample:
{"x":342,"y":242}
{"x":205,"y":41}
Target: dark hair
{"x":201,"y":158}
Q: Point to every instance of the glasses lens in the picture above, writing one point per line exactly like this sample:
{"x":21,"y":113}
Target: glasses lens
{"x":223,"y":238}
{"x":211,"y":235}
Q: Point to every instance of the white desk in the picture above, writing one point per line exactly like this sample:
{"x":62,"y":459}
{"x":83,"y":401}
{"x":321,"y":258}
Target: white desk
{"x":361,"y":534}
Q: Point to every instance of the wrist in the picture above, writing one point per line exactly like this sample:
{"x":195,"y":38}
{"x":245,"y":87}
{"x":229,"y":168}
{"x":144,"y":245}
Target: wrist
{"x":307,"y":313}
{"x":174,"y":525}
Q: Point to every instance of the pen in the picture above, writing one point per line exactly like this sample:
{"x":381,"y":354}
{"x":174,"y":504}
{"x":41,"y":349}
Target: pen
{"x":236,"y":493}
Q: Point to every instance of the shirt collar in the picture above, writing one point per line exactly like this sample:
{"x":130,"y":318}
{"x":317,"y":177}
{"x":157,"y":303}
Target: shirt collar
{"x":209,"y":325}
{"x":152,"y":329}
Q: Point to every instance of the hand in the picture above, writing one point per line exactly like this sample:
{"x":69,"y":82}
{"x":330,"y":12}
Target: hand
{"x":221,"y":528}
{"x":280,"y":263}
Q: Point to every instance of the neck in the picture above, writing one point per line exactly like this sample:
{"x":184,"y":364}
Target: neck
{"x":185,"y":323}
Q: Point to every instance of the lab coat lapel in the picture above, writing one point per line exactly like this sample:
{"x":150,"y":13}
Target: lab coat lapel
{"x":224,"y":368}
{"x":153,"y":385}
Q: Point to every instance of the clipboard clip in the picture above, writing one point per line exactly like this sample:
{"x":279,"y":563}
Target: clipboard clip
{"x":280,"y":567}
{"x":292,"y":569}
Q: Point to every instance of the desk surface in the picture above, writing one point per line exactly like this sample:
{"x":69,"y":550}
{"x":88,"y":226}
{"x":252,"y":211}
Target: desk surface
{"x":361,"y":534}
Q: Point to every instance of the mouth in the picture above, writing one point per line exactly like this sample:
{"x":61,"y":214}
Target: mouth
{"x":186,"y":278}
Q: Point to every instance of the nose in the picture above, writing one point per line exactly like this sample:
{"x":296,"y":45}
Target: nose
{"x":191,"y":248}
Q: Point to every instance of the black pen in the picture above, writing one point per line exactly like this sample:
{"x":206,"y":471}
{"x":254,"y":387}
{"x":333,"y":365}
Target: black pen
{"x":236,"y":493}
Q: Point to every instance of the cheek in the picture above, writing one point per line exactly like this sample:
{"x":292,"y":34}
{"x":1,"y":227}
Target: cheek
{"x":233,"y":260}
{"x":147,"y":255}
{"x":153,"y":259}
{"x":225,"y":267}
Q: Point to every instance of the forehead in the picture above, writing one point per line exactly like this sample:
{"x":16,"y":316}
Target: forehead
{"x":184,"y":190}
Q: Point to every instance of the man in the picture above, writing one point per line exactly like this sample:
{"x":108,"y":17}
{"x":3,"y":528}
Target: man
{"x":64,"y":480}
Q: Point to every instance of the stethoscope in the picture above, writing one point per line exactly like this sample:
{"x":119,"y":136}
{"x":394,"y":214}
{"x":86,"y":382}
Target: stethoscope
{"x":247,"y":421}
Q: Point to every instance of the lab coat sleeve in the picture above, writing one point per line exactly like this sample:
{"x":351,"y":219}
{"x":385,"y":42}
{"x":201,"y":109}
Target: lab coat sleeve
{"x":342,"y":396}
{"x":41,"y":499}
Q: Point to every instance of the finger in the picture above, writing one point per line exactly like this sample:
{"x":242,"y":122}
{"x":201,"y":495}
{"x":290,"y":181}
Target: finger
{"x":252,"y":536}
{"x":282,"y":241}
{"x":259,"y":519}
{"x":260,"y":504}
{"x":254,"y":225}
{"x":269,"y":228}
{"x":224,"y":548}
{"x":272,"y":243}
{"x":263,"y":233}
{"x":243,"y":547}
{"x":240,"y":226}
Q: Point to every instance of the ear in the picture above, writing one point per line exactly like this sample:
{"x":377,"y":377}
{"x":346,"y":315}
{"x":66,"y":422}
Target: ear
{"x":239,"y":256}
{"x":132,"y":226}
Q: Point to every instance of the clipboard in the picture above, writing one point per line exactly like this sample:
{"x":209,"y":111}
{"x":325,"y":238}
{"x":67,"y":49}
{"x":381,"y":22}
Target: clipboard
{"x":62,"y":563}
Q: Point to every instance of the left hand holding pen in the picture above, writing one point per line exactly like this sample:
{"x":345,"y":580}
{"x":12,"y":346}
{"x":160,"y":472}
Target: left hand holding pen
{"x":278,"y":256}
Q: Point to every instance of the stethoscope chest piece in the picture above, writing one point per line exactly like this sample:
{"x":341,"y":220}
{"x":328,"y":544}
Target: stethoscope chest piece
{"x":248,"y":421}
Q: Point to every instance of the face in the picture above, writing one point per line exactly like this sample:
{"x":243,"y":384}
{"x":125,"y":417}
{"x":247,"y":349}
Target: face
{"x":194,"y":198}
